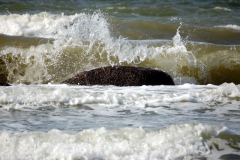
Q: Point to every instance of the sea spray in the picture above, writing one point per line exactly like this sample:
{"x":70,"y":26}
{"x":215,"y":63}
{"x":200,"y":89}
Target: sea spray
{"x":51,"y":41}
{"x":67,"y":32}
{"x":83,"y":42}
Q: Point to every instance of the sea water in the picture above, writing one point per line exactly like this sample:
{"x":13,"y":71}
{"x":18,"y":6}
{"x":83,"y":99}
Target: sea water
{"x":43,"y":43}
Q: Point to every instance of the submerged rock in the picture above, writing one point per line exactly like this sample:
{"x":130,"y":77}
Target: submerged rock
{"x":121,"y":76}
{"x":4,"y":84}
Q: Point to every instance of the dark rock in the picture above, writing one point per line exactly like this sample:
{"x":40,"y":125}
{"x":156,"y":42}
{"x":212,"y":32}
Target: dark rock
{"x":121,"y":76}
{"x":4,"y":84}
{"x":230,"y":157}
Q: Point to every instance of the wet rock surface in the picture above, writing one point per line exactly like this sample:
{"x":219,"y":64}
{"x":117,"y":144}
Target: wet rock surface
{"x":4,"y":84}
{"x":121,"y":76}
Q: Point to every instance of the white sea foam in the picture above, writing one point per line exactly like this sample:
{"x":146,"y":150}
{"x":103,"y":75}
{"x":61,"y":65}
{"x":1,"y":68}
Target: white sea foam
{"x":48,"y":25}
{"x":218,"y":105}
{"x":176,"y":141}
{"x":118,"y":97}
{"x":230,"y":26}
{"x":189,"y":141}
{"x":91,"y":35}
{"x":222,"y":9}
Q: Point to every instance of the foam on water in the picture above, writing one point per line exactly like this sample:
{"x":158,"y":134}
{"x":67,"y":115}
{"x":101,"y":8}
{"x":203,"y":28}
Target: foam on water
{"x":222,"y":9}
{"x":48,"y":121}
{"x":54,"y":26}
{"x":230,"y":26}
{"x":89,"y":34}
{"x":68,"y":31}
{"x":176,"y":141}
{"x":99,"y":97}
{"x":83,"y":42}
{"x":44,"y":107}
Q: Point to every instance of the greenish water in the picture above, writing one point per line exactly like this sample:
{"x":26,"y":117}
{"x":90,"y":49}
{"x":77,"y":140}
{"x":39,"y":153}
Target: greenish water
{"x":43,"y":43}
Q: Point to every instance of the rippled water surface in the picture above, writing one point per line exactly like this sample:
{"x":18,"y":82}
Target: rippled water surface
{"x":43,"y":43}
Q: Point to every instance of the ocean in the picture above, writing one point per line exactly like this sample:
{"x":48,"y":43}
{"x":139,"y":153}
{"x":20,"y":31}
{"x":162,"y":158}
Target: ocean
{"x":43,"y":43}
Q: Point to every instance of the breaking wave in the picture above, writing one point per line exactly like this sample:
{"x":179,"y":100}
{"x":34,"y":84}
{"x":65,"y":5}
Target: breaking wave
{"x":51,"y":48}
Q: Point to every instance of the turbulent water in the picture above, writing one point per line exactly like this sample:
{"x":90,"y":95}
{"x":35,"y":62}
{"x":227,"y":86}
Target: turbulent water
{"x":43,"y":43}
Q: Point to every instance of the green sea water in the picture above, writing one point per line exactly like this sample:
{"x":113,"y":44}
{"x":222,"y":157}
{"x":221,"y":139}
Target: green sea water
{"x":43,"y":43}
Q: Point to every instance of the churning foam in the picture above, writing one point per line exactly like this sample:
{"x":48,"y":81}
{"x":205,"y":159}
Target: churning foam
{"x":54,"y":26}
{"x":119,"y":97}
{"x":86,"y":37}
{"x":176,"y":141}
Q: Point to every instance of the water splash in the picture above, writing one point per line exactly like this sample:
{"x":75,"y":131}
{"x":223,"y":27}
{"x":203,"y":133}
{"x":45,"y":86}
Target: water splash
{"x":81,"y":42}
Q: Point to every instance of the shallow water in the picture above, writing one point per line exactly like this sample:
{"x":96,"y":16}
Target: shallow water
{"x":43,"y":43}
{"x":106,"y":122}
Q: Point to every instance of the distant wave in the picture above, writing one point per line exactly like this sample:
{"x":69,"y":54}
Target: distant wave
{"x":56,"y":26}
{"x":222,"y":9}
{"x":230,"y":26}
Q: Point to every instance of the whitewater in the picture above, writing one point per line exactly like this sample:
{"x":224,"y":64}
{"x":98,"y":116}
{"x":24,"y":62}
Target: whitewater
{"x":44,"y":43}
